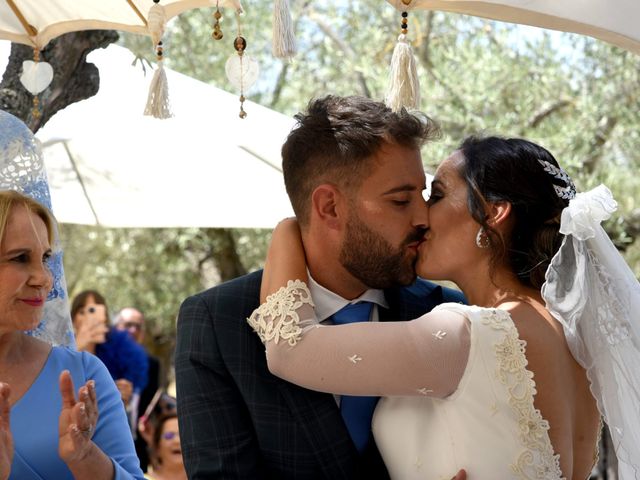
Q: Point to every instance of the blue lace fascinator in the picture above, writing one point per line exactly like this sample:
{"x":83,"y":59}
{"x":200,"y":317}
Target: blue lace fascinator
{"x":22,"y":169}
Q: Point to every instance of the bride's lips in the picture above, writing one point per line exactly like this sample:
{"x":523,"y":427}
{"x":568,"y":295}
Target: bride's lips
{"x":415,"y":245}
{"x":34,"y":302}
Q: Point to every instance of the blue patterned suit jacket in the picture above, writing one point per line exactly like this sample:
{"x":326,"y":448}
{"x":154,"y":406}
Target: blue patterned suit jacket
{"x":237,"y":421}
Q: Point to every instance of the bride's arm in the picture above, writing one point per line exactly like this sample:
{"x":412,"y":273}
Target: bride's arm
{"x":285,"y":258}
{"x":426,"y":356}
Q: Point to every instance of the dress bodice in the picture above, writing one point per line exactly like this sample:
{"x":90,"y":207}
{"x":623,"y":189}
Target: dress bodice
{"x":35,"y":417}
{"x":489,"y":426}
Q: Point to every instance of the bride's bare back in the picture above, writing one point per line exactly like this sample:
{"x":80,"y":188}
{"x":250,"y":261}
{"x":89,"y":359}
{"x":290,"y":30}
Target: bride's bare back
{"x":563,"y":397}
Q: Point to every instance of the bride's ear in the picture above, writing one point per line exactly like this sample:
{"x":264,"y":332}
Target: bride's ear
{"x":499,"y":214}
{"x":326,"y":205}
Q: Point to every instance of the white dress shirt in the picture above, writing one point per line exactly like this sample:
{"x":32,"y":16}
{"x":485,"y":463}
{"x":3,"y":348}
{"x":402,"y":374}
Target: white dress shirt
{"x":327,"y":302}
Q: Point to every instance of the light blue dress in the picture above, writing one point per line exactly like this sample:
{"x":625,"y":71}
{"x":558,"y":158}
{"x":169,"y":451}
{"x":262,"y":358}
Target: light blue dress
{"x":34,"y":420}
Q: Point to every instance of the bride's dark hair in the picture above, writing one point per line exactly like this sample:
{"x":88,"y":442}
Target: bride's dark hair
{"x":509,"y":169}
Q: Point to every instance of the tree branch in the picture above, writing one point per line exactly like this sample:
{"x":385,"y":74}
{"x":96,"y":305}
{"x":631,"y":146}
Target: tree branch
{"x":547,"y":111}
{"x":348,"y":51}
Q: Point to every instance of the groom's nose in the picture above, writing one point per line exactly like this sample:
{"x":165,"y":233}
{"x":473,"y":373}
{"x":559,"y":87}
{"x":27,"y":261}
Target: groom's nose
{"x":421,"y":215}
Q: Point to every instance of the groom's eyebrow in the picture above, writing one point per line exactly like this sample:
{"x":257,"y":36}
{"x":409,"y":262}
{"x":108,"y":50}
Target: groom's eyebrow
{"x":402,"y":188}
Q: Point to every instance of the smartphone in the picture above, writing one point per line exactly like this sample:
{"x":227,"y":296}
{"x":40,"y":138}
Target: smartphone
{"x":96,"y":313}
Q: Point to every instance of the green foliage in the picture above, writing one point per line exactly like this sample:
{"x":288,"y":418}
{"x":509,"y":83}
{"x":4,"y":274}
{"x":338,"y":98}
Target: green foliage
{"x":153,"y":270}
{"x":576,"y":96}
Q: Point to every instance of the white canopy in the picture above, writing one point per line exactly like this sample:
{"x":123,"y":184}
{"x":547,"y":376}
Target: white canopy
{"x":36,"y":22}
{"x":615,"y":21}
{"x":110,"y":165}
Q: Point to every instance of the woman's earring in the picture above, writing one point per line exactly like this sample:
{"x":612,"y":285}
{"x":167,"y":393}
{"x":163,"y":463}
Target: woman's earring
{"x":482,"y":239}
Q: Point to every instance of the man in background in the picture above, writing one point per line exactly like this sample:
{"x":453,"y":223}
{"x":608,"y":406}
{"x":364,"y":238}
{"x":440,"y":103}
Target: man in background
{"x":131,"y":320}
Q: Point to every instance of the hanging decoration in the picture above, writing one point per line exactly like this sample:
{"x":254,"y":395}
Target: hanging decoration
{"x":217,"y":31}
{"x":241,"y":69}
{"x":36,"y":77}
{"x":158,"y":100}
{"x":404,"y":87}
{"x":284,"y":40}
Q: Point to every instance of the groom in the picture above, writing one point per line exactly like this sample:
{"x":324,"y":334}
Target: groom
{"x":354,"y":174}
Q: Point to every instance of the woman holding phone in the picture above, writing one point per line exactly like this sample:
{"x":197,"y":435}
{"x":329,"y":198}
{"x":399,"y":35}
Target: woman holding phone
{"x":124,"y":358}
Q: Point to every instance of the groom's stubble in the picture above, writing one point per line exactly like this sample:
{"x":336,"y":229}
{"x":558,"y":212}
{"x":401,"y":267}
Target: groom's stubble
{"x":370,"y":258}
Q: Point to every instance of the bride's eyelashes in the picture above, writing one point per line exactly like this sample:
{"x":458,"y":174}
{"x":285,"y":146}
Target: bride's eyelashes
{"x":434,"y":197}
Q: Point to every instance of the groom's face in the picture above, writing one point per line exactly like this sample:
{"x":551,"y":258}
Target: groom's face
{"x":387,"y":219}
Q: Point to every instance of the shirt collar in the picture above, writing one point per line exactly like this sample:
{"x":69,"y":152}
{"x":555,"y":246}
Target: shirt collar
{"x":327,"y":302}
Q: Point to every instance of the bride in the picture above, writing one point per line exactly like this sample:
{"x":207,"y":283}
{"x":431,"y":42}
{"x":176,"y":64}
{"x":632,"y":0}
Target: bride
{"x":505,"y":387}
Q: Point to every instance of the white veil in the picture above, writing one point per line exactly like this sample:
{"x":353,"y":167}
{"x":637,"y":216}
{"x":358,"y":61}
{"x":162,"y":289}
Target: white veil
{"x":22,"y":169}
{"x":594,"y":294}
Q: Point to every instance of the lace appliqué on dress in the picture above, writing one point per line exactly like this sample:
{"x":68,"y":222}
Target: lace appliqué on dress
{"x":538,"y":460}
{"x":278,"y":318}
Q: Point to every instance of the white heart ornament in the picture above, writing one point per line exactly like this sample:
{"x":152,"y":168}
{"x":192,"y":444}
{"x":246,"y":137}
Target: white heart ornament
{"x":36,"y":76}
{"x":243,"y":71}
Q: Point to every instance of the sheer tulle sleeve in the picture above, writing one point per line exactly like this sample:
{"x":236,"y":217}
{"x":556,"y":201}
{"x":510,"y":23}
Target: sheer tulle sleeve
{"x":425,"y":356}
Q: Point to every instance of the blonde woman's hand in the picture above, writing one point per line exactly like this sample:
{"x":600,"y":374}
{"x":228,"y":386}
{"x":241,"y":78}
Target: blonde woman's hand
{"x":78,"y":419}
{"x":6,"y":438}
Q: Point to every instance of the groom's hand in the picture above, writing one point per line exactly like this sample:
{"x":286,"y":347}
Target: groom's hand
{"x":462,"y":475}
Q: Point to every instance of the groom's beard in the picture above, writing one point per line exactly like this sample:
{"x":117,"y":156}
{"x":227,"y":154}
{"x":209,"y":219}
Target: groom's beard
{"x":374,"y":261}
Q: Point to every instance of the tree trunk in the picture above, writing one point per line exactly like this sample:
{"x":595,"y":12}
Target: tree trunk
{"x":73,"y":79}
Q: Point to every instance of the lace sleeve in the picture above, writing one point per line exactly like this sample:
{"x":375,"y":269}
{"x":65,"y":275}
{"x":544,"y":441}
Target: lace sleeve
{"x":425,"y":356}
{"x":285,"y":315}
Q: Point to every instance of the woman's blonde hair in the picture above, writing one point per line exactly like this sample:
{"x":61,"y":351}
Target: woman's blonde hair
{"x":11,"y":198}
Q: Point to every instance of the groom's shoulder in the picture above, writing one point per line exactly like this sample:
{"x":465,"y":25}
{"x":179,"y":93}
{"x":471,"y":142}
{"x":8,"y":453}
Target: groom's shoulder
{"x":422,"y":288}
{"x":243,"y":289}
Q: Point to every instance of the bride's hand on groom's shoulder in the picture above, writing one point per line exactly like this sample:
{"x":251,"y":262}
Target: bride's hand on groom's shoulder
{"x":288,"y":224}
{"x":461,"y":475}
{"x":286,"y":234}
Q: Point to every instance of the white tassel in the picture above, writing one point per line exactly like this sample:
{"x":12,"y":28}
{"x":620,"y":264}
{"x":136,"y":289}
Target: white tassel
{"x":158,"y":99}
{"x":284,"y":40}
{"x":156,"y":20}
{"x":404,"y":87}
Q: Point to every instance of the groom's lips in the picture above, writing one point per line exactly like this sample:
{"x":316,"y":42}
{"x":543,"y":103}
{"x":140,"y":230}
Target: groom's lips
{"x":414,"y":245}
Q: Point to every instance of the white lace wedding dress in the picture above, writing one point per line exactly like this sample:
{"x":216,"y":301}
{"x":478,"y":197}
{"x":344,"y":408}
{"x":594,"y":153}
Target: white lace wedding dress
{"x":455,"y":385}
{"x":488,"y":426}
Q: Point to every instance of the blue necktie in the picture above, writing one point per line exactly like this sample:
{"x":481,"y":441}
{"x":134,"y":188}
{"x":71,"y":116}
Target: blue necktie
{"x":357,"y":412}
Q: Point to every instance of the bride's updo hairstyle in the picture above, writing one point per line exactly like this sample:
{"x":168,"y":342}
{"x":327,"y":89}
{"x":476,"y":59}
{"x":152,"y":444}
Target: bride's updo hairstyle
{"x":510,"y":169}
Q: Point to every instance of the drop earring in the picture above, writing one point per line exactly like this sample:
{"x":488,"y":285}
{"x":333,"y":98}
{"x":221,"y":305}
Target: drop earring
{"x":482,"y":239}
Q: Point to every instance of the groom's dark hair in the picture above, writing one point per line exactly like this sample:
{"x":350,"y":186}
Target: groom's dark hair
{"x":334,"y":140}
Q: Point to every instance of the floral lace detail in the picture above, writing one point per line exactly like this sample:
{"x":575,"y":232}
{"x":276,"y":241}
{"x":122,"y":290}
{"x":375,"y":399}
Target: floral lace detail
{"x":22,"y":169}
{"x":278,"y":317}
{"x":611,"y":317}
{"x":538,"y":460}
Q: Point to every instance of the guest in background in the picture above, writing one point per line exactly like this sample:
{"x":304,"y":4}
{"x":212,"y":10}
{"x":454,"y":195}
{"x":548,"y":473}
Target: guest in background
{"x":124,"y":358}
{"x":132,"y":320}
{"x":159,"y":426}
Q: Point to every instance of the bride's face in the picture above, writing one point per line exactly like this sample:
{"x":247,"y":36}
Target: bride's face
{"x":449,"y":245}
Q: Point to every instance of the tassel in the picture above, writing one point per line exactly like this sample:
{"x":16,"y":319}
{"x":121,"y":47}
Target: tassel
{"x":404,"y":87}
{"x":158,"y":99}
{"x":284,"y":40}
{"x":156,"y":21}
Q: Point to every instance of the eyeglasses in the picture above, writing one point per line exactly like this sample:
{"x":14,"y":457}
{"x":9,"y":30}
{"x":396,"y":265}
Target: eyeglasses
{"x":169,"y":435}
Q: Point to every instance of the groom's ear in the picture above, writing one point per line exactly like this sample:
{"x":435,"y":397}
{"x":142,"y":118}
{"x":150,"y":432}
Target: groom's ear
{"x":499,"y":214}
{"x":326,"y":205}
